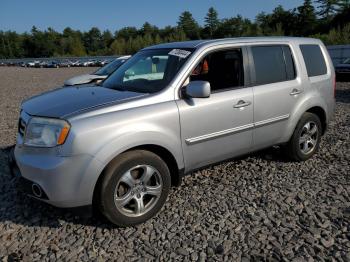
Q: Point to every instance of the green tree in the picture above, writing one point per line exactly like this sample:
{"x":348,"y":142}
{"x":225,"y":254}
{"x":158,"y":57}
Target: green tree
{"x":71,"y":43}
{"x":189,"y":25}
{"x":341,"y":19}
{"x":306,"y":19}
{"x":211,"y":21}
{"x":263,"y":23}
{"x":330,"y":26}
{"x":3,"y":52}
{"x":11,"y":45}
{"x":327,"y":8}
{"x":282,"y":20}
{"x":233,"y":27}
{"x":39,"y":44}
{"x":343,"y":5}
{"x":118,"y":47}
{"x":93,"y":41}
{"x":278,"y":21}
{"x":148,"y":29}
{"x":107,"y":38}
{"x":127,"y":32}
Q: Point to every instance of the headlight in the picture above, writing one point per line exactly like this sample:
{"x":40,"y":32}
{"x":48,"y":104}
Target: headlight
{"x":46,"y":132}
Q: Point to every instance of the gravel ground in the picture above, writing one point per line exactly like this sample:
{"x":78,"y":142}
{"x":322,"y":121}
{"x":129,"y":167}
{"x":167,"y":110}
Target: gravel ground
{"x":260,"y":207}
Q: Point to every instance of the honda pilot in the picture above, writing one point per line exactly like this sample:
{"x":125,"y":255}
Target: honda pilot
{"x":169,"y":110}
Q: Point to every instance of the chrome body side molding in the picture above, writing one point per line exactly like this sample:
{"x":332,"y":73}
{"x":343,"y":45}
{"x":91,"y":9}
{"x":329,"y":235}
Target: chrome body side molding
{"x":199,"y":139}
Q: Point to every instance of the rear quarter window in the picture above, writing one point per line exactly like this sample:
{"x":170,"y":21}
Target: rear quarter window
{"x":314,"y":60}
{"x":273,"y":64}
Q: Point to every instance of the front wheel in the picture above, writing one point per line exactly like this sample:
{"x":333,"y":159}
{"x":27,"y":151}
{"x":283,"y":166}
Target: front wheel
{"x":134,"y":188}
{"x":305,"y":140}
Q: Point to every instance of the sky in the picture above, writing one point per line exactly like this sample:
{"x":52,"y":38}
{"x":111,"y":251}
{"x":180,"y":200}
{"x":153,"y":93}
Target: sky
{"x":21,"y":15}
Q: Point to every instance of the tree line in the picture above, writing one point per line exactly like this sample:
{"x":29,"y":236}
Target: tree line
{"x":328,"y":20}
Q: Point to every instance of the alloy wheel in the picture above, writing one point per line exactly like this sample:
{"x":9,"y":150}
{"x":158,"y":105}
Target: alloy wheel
{"x":308,"y":138}
{"x":138,"y":190}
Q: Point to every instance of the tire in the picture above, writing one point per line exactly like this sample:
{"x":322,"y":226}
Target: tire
{"x":305,"y":140}
{"x":128,"y":194}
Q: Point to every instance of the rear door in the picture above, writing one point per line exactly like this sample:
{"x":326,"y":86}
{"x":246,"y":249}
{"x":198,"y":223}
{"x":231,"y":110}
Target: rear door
{"x":276,"y":89}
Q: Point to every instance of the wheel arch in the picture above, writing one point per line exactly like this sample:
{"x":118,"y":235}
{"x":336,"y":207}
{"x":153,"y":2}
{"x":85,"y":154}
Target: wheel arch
{"x":161,"y":151}
{"x":321,"y":113}
{"x":311,"y":104}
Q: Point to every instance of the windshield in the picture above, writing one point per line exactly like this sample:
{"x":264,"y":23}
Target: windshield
{"x":148,"y":71}
{"x":346,"y":61}
{"x":110,"y":67}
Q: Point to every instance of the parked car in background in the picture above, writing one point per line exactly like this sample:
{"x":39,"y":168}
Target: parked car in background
{"x":87,"y":63}
{"x":99,"y":75}
{"x":75,"y":63}
{"x":103,"y":62}
{"x":343,"y":69}
{"x":122,"y":145}
{"x":31,"y":63}
{"x":52,"y":64}
{"x":65,"y":64}
{"x":41,"y":64}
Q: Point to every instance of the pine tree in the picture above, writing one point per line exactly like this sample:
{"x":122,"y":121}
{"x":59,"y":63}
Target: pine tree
{"x":107,"y":38}
{"x":189,"y":25}
{"x":211,"y":21}
{"x":306,"y":18}
{"x":327,"y":8}
{"x":3,"y":51}
{"x":344,"y":4}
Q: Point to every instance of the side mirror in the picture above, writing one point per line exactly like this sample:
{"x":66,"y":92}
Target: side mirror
{"x":198,"y":89}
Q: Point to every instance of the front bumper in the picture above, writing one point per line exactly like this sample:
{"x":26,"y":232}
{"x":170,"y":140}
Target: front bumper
{"x":66,"y":182}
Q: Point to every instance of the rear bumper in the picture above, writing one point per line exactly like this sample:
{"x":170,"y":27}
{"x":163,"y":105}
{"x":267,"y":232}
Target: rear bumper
{"x":62,"y":181}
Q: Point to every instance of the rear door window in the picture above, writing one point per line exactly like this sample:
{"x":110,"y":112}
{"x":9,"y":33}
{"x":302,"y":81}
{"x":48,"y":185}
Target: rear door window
{"x":314,"y":60}
{"x":273,"y":64}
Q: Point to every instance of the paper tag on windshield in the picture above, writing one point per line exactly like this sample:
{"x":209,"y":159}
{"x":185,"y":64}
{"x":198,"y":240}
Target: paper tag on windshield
{"x":179,"y":53}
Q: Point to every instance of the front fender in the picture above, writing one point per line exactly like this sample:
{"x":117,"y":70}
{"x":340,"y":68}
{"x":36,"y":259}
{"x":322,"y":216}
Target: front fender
{"x":122,"y":144}
{"x":131,"y":140}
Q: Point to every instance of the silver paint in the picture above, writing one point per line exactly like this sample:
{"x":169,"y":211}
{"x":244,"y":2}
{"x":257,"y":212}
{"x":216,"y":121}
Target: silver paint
{"x":195,"y":131}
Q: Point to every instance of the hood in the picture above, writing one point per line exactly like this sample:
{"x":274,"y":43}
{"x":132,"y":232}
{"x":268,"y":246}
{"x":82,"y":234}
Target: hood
{"x":68,"y":100}
{"x":82,"y":79}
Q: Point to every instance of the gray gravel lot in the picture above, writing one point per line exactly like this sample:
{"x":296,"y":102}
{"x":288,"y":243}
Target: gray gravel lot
{"x":258,"y":207}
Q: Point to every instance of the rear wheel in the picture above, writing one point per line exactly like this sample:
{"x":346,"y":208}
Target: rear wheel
{"x":306,"y":138}
{"x":134,"y":188}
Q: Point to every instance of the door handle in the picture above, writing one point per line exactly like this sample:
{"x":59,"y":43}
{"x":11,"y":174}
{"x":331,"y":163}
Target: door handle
{"x":242,"y":103}
{"x":295,"y":92}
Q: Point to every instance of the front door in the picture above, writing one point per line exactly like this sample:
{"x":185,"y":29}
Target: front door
{"x":218,"y":127}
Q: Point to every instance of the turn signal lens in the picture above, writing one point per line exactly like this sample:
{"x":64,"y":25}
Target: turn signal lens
{"x":63,"y":135}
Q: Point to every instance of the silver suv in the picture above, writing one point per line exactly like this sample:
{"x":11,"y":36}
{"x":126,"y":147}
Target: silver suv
{"x":169,"y":110}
